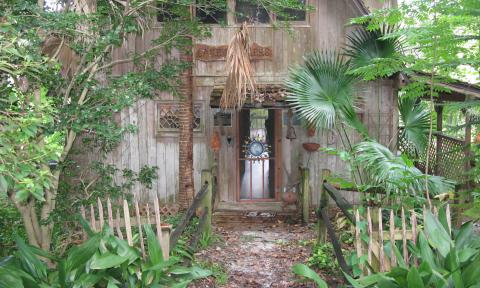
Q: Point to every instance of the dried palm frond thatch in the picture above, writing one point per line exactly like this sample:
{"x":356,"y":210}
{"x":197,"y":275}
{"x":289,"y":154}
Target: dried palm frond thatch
{"x":240,"y":80}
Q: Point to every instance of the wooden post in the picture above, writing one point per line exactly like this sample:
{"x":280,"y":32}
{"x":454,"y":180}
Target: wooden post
{"x":159,"y":229}
{"x":207,"y":178}
{"x":322,"y":229}
{"x":305,"y":173}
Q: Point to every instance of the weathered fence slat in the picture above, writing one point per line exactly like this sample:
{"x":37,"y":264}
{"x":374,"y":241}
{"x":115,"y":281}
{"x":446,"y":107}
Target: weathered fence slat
{"x":358,"y":240}
{"x":393,"y":259}
{"x":128,"y":226}
{"x":139,"y":225}
{"x":449,"y":220}
{"x":381,"y":254}
{"x":92,"y":218}
{"x":370,"y":238}
{"x":110,"y":213}
{"x":413,"y":223}
{"x":117,"y":225}
{"x":100,"y":213}
{"x":84,"y":216}
{"x":404,"y":236}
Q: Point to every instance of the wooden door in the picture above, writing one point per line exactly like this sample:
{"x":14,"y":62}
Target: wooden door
{"x":258,"y":154}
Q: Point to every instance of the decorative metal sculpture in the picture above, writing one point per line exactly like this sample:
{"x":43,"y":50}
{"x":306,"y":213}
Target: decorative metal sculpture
{"x":255,"y":148}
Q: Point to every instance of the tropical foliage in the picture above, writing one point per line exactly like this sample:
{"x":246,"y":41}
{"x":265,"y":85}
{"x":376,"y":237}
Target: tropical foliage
{"x":447,"y":259}
{"x":102,"y":261}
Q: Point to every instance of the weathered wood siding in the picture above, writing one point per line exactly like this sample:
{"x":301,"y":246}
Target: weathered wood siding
{"x":325,"y":29}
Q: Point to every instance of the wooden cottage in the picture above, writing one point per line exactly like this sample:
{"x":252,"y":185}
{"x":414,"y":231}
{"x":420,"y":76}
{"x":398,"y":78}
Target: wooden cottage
{"x":248,"y":175}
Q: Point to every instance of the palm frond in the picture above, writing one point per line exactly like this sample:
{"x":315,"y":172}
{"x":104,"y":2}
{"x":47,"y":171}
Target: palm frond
{"x":240,"y":80}
{"x":321,"y":91}
{"x":393,"y":173}
{"x":372,"y":54}
{"x":415,"y":121}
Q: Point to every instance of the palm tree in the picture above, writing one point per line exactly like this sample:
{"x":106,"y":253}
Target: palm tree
{"x":393,"y":173}
{"x":374,"y":53}
{"x":416,"y":123}
{"x":321,"y":91}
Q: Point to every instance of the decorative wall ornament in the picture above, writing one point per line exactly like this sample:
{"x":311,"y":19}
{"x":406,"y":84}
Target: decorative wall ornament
{"x":255,"y":148}
{"x":208,"y":53}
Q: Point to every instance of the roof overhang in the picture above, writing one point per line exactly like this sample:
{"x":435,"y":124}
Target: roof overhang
{"x":266,"y":96}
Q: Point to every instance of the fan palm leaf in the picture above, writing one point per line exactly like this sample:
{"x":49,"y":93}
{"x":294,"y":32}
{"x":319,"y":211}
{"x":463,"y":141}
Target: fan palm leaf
{"x":321,"y":90}
{"x":416,"y":122}
{"x":393,"y":173}
{"x":372,"y":54}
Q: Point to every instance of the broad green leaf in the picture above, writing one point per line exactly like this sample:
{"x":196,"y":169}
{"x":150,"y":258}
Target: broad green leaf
{"x":425,"y":250}
{"x":453,"y":265}
{"x":414,"y":279}
{"x":79,"y":255}
{"x":304,"y":271}
{"x":400,"y":275}
{"x":107,"y":260}
{"x":154,"y":249}
{"x":464,"y":236}
{"x":425,"y":272}
{"x":35,"y":267}
{"x":471,"y":273}
{"x":437,"y":235}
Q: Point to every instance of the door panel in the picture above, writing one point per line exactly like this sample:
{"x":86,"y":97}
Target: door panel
{"x":256,"y":155}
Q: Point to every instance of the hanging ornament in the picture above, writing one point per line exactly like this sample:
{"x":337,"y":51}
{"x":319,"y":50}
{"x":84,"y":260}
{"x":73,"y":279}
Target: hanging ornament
{"x":215,"y":143}
{"x":255,"y":148}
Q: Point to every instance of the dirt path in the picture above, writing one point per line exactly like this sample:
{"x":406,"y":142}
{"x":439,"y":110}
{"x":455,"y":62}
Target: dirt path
{"x":259,"y":255}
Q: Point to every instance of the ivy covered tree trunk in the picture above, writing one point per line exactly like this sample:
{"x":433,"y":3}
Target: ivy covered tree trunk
{"x":186,"y":190}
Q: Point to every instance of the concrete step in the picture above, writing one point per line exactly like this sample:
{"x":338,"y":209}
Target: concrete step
{"x":252,"y":216}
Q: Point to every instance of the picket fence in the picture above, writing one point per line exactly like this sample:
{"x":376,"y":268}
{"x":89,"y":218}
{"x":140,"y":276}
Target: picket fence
{"x":377,"y":236}
{"x":123,"y":220}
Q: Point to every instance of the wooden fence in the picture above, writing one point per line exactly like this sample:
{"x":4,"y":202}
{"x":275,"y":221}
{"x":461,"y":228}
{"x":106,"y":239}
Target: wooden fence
{"x":378,"y":235}
{"x":123,"y":220}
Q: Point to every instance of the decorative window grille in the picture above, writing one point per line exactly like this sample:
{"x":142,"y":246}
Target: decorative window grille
{"x":168,"y":117}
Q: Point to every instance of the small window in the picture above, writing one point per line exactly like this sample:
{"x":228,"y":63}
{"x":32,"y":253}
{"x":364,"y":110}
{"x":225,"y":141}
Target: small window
{"x":211,"y":12}
{"x":251,"y":12}
{"x":168,"y":117}
{"x":291,"y":14}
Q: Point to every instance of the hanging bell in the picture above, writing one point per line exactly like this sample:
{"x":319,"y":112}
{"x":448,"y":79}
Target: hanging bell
{"x":291,"y":133}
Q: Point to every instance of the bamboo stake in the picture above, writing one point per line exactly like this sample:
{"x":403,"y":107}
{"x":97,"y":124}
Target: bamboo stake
{"x":100,"y":213}
{"x":92,"y":218}
{"x":117,"y":224}
{"x":110,"y":214}
{"x":139,"y":224}
{"x":381,"y":254}
{"x":404,"y":238}
{"x":128,"y":227}
{"x":370,"y":237}
{"x":358,"y":240}
{"x":393,"y":258}
{"x":435,"y":211}
{"x":413,"y":220}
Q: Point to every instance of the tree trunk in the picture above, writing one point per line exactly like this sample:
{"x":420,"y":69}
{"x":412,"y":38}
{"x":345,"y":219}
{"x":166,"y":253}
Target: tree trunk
{"x":186,"y":186}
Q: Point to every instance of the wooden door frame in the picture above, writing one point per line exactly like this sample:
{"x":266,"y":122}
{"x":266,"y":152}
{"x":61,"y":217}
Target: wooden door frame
{"x":277,"y":118}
